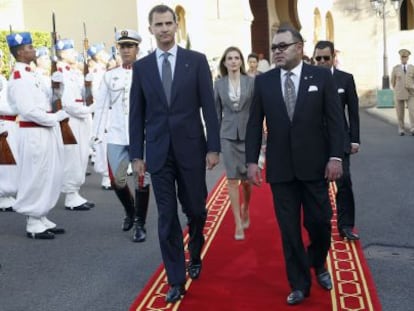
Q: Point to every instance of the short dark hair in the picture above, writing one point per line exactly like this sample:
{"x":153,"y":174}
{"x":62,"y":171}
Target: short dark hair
{"x":223,"y":69}
{"x":14,"y":50}
{"x":295,"y":34}
{"x":253,"y":55}
{"x":323,"y":44}
{"x":161,"y":8}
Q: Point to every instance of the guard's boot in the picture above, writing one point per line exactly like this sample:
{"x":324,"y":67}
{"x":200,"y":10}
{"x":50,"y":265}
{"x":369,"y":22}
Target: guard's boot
{"x":141,"y":209}
{"x":124,"y":195}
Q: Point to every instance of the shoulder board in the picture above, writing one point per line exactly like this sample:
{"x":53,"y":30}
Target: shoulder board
{"x":16,"y":75}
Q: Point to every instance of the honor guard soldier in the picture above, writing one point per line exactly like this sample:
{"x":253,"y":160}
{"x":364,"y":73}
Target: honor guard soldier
{"x":76,"y":155}
{"x":113,"y":104}
{"x":40,"y":157}
{"x":8,"y":173}
{"x":99,"y":59}
{"x":43,"y":64}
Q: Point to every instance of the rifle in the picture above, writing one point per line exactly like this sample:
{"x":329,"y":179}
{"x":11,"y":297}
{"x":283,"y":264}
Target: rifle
{"x":10,"y":54}
{"x":6,"y":155}
{"x":67,"y":134}
{"x":88,"y":83}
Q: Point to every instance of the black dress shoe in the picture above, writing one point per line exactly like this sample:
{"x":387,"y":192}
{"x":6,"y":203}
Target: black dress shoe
{"x":56,"y":230}
{"x":194,"y":269}
{"x":89,"y":204}
{"x":127,"y":224}
{"x":349,"y":234}
{"x":45,"y":235}
{"x":296,"y":297}
{"x":6,"y":209}
{"x":82,"y":207}
{"x":140,"y":234}
{"x":106,"y":187}
{"x":324,"y":280}
{"x":174,"y":293}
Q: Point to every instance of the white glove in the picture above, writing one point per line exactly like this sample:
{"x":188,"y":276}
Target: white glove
{"x":89,"y":77}
{"x":61,"y":115}
{"x":94,"y":141}
{"x":57,"y":76}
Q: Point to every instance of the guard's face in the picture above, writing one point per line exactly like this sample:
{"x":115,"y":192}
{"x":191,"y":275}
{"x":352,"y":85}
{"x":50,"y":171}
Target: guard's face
{"x":163,"y":28}
{"x":253,"y":63}
{"x":287,"y":53}
{"x":27,"y":53}
{"x":128,"y":52}
{"x":323,"y":57}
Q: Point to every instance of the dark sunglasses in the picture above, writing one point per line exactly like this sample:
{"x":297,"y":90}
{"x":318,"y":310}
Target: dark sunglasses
{"x":325,"y":58}
{"x":281,"y":46}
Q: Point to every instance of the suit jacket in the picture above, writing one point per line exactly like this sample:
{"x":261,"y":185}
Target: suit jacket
{"x":158,"y":125}
{"x":233,"y":118}
{"x":302,"y":147}
{"x":403,"y":83}
{"x":347,"y":93}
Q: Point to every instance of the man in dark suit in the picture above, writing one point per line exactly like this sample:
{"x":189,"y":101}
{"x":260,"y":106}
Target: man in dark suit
{"x":304,"y":152}
{"x":324,"y":56}
{"x":168,"y":89}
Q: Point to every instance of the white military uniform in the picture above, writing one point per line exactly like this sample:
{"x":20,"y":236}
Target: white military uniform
{"x":113,"y":105}
{"x":101,"y":161}
{"x":76,"y":156}
{"x":40,"y":156}
{"x":8,"y":173}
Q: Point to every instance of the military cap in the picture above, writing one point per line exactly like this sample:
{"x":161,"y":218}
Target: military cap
{"x":20,"y":38}
{"x":42,"y":51}
{"x":64,"y":44}
{"x":404,"y":52}
{"x":127,"y":35}
{"x":95,"y":49}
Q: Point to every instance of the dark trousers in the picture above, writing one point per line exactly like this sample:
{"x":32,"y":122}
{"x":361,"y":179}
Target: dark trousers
{"x":290,"y":198}
{"x":189,"y":185}
{"x":345,"y":203}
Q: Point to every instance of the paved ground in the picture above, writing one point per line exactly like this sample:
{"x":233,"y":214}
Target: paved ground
{"x":95,"y":266}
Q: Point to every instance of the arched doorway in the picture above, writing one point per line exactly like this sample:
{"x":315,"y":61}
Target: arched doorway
{"x":182,"y":36}
{"x":317,"y":26}
{"x":330,"y":36}
{"x":268,"y":16}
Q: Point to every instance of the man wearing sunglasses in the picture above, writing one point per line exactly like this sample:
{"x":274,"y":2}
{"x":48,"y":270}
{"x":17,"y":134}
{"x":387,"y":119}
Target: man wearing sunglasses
{"x":324,"y":56}
{"x":304,"y":152}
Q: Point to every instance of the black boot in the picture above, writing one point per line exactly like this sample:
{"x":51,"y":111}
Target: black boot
{"x":124,"y":195}
{"x":141,"y":209}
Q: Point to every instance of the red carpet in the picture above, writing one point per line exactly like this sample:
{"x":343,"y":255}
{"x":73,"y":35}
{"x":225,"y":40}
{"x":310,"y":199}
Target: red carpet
{"x":250,"y":274}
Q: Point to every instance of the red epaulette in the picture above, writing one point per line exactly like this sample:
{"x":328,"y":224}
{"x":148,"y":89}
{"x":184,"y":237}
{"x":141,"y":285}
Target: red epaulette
{"x":16,"y":75}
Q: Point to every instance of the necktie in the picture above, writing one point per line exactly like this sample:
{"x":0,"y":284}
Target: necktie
{"x":405,"y":69}
{"x":166,"y":76}
{"x":290,"y":95}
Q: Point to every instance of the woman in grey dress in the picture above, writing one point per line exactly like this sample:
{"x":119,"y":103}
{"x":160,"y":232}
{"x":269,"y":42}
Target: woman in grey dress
{"x":233,"y":96}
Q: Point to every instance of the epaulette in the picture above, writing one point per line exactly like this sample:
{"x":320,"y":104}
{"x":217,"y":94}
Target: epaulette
{"x":16,"y":75}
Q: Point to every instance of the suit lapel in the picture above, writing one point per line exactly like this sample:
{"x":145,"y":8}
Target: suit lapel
{"x":181,"y":67}
{"x":305,"y":80}
{"x":153,"y":75}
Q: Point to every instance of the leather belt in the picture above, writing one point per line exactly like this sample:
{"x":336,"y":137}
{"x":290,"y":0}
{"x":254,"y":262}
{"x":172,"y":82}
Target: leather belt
{"x":29,"y":124}
{"x":8,"y":118}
